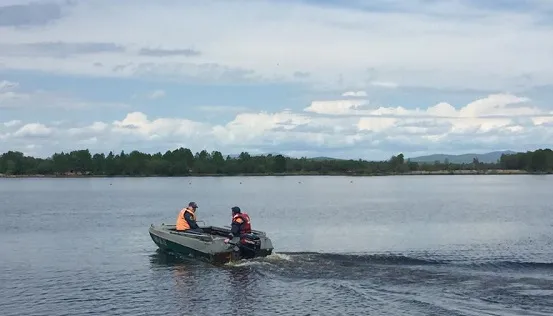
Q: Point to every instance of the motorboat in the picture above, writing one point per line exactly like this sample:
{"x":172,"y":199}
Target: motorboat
{"x":209,"y":244}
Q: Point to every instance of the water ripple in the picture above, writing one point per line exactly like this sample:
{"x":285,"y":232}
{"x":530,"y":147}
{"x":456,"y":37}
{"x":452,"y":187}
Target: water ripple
{"x":408,"y":246}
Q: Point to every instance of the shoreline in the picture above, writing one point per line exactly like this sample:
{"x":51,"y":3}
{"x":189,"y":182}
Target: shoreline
{"x":411,"y":173}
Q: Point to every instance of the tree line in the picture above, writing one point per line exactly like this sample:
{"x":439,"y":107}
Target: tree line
{"x":182,"y":162}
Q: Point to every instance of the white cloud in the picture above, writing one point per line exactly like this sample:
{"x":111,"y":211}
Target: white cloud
{"x":33,"y":130}
{"x":436,"y":45}
{"x":376,"y":124}
{"x":7,"y":85}
{"x":497,"y":121}
{"x":355,"y":94}
{"x":336,"y":107}
{"x":258,"y":128}
{"x":12,"y":123}
{"x":138,"y":124}
{"x":156,"y":94}
{"x":495,"y":112}
{"x":492,"y":105}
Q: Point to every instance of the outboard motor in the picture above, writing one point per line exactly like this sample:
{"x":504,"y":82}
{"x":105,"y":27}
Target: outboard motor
{"x":249,"y":245}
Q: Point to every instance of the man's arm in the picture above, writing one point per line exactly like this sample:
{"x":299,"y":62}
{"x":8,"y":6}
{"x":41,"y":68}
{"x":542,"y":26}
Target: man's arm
{"x":191,"y":222}
{"x":235,"y":227}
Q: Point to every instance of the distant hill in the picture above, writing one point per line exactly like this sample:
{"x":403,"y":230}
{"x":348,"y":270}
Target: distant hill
{"x":490,"y":157}
{"x":324,"y":158}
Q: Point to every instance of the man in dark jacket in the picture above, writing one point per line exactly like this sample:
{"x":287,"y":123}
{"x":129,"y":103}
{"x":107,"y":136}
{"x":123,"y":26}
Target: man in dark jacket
{"x":240,"y":224}
{"x":240,"y":234}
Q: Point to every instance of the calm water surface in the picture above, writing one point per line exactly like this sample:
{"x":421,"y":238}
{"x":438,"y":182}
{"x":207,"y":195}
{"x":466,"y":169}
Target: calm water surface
{"x":428,"y":245}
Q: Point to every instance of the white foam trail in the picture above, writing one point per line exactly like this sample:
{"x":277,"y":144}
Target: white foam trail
{"x":278,"y":256}
{"x":246,"y":263}
{"x":274,"y":257}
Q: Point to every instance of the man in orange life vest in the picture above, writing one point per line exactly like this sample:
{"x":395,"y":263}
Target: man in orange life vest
{"x":186,"y":220}
{"x":241,"y":228}
{"x":240,"y":224}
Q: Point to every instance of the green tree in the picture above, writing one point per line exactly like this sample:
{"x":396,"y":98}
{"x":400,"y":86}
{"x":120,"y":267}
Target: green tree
{"x":279,"y":165}
{"x":181,"y":162}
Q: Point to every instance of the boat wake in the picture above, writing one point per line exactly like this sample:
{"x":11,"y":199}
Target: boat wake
{"x":274,"y":258}
{"x":306,"y":264}
{"x":421,"y":283}
{"x":360,"y":260}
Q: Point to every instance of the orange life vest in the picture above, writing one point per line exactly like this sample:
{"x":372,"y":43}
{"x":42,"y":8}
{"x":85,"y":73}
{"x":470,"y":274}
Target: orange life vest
{"x":240,"y":218}
{"x":182,"y":224}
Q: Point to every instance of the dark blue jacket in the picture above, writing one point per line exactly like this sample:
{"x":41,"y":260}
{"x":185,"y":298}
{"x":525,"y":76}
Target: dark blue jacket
{"x":235,"y":229}
{"x":191,"y":221}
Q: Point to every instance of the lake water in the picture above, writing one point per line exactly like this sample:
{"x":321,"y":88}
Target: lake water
{"x":406,"y":245}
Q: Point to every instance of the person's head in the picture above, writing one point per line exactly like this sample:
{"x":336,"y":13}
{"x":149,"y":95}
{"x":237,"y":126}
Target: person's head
{"x":235,"y":210}
{"x":193,"y":205}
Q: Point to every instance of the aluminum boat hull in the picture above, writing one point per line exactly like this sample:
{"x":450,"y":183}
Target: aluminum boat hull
{"x":207,"y":246}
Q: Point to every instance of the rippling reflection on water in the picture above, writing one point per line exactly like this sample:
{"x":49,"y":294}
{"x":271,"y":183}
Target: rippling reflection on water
{"x":407,"y":246}
{"x":382,"y":284}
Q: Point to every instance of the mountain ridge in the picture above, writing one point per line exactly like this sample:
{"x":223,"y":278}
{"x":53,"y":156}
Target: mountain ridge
{"x":489,"y":157}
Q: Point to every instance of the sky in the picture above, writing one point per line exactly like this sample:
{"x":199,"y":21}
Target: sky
{"x":345,"y":79}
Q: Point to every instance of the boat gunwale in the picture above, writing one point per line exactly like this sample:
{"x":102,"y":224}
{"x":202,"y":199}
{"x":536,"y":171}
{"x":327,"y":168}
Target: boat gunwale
{"x":199,"y":236}
{"x":211,"y":237}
